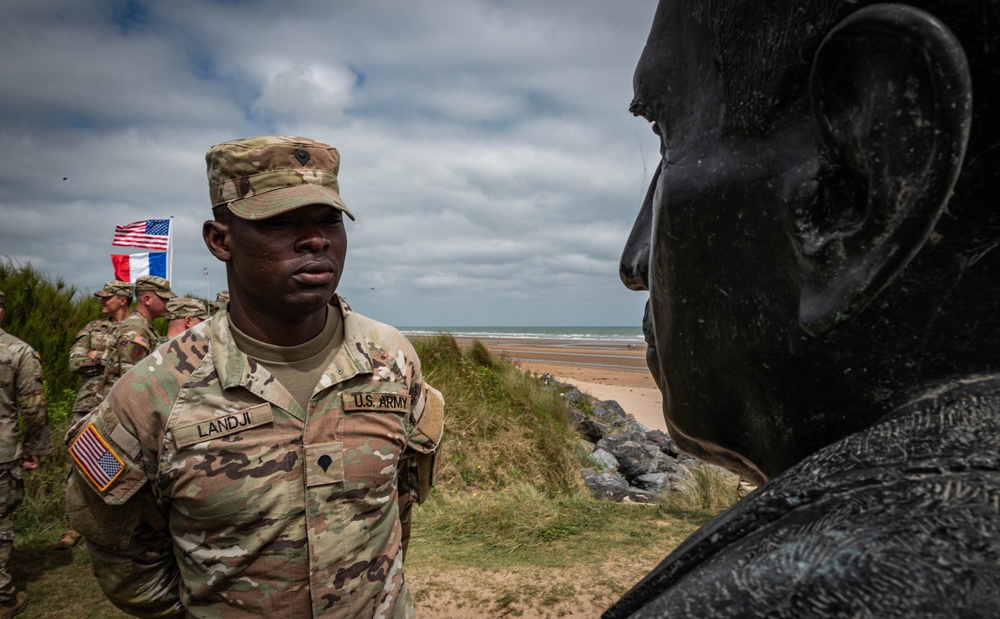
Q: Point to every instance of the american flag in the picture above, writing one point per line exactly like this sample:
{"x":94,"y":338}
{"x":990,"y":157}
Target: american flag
{"x":149,"y":233}
{"x":94,"y":458}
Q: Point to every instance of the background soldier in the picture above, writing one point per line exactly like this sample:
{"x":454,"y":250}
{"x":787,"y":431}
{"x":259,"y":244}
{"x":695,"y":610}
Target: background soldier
{"x":287,"y":434}
{"x":88,"y":357}
{"x":184,"y":313}
{"x":220,"y":299}
{"x":135,"y":337}
{"x":20,"y":392}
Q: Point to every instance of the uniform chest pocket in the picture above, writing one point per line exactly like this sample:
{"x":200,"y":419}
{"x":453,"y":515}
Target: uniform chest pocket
{"x":373,"y":437}
{"x":231,"y":468}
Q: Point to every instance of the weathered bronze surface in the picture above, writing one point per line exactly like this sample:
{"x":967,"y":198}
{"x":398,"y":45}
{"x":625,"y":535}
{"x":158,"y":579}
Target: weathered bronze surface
{"x":819,"y":245}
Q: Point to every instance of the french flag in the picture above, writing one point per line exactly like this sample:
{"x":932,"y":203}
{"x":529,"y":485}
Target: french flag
{"x":130,"y":266}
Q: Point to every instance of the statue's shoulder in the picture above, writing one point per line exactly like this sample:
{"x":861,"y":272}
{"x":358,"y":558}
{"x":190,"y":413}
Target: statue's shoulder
{"x":851,"y":529}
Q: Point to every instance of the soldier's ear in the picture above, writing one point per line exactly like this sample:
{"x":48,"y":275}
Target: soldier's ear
{"x":216,"y":236}
{"x":891,"y":92}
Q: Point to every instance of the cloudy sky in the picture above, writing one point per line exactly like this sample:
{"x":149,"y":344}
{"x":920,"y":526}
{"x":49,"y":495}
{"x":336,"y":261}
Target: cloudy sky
{"x":487,"y":148}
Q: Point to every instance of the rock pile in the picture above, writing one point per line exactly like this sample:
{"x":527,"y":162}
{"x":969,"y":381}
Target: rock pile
{"x":631,"y":462}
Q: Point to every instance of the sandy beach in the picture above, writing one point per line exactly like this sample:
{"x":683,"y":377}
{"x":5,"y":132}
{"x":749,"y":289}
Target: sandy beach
{"x":607,"y":371}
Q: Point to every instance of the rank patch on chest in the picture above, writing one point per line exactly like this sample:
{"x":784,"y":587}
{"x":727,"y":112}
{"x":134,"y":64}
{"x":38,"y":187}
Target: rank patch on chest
{"x":96,"y":459}
{"x":223,"y":425}
{"x":376,"y":401}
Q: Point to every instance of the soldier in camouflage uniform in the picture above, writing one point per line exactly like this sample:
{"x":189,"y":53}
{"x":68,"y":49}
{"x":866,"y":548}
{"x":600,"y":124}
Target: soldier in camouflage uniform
{"x":135,"y":337}
{"x":260,"y":463}
{"x":88,"y":355}
{"x":220,"y":300}
{"x":87,"y":359}
{"x":20,"y":392}
{"x":184,"y":313}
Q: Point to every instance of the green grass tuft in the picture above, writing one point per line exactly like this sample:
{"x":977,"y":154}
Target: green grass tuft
{"x":706,"y":491}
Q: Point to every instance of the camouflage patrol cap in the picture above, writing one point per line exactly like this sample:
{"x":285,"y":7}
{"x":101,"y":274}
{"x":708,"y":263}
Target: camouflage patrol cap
{"x":221,"y":299}
{"x":152,"y":283}
{"x":185,"y":307}
{"x":116,"y":288}
{"x":265,"y":176}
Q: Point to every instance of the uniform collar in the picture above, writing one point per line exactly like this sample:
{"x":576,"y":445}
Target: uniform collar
{"x":235,"y":369}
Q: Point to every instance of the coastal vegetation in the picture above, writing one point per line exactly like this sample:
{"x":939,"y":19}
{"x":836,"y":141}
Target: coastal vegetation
{"x":509,"y":531}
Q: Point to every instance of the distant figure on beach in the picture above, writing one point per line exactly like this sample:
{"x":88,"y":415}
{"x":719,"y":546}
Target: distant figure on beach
{"x":266,"y":461}
{"x":820,"y":246}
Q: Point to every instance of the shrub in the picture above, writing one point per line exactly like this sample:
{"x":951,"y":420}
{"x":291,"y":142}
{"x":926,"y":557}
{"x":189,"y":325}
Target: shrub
{"x":47,"y":316}
{"x":706,"y":491}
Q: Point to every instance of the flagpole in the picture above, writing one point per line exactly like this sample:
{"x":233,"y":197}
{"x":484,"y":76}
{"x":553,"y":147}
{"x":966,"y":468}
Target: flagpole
{"x":170,"y":251}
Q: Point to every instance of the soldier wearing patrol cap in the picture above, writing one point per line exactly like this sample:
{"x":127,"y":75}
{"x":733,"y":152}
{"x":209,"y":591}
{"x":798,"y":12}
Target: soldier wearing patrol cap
{"x":88,"y":358}
{"x":184,"y":313}
{"x":135,"y":337}
{"x":273,"y":470}
{"x":21,"y":443}
{"x":88,"y":355}
{"x":220,"y":300}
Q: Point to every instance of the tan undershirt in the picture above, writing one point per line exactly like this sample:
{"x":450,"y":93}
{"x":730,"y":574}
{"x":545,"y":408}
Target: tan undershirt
{"x":298,"y":368}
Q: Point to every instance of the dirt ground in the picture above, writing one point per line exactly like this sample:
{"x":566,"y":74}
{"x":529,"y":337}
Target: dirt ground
{"x":582,"y":586}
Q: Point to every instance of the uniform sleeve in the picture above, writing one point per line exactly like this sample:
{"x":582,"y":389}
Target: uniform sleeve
{"x":418,"y":464}
{"x":110,"y":501}
{"x":31,"y":403}
{"x":130,"y":345}
{"x":87,"y":340}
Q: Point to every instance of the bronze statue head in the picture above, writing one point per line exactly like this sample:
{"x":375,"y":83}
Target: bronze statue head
{"x":818,"y":241}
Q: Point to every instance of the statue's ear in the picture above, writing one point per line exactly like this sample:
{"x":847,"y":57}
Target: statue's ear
{"x":891,"y":92}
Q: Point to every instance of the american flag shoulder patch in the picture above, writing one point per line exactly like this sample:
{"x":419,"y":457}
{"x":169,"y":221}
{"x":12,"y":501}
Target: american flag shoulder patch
{"x":96,"y":458}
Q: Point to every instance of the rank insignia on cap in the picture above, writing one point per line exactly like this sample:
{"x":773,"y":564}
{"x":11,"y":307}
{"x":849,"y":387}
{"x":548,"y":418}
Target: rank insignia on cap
{"x":95,"y":458}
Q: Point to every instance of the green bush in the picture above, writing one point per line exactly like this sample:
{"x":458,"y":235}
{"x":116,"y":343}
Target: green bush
{"x":47,"y":315}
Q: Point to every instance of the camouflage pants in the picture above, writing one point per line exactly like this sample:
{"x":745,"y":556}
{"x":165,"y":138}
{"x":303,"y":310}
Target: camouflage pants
{"x":11,"y":495}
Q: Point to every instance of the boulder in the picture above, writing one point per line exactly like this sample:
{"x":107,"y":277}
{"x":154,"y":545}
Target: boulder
{"x":636,"y":461}
{"x":575,"y":396}
{"x":609,"y":411}
{"x":663,"y":441}
{"x":607,"y":461}
{"x":605,"y":485}
{"x":592,"y":429}
{"x":655,"y":483}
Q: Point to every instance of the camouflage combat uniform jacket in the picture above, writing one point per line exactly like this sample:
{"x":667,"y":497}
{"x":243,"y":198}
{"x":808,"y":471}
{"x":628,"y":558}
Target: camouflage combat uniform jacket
{"x":219,"y":494}
{"x":21,"y":390}
{"x":133,"y":339}
{"x":96,"y":335}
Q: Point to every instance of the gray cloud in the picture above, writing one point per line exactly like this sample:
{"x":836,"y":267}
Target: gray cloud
{"x":487,"y":147}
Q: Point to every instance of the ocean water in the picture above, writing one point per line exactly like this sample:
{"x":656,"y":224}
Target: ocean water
{"x":630,"y":335}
